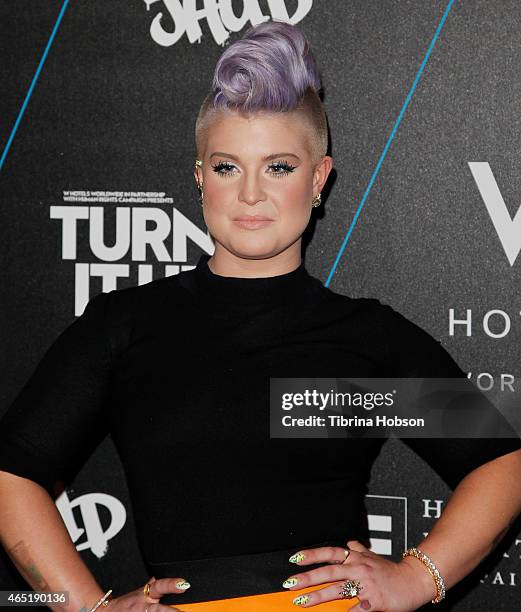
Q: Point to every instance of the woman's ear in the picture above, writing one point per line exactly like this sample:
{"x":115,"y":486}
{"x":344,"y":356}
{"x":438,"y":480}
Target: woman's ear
{"x":322,"y":170}
{"x":198,"y":173}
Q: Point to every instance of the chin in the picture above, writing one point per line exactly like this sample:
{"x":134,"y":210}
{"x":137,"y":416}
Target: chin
{"x":250,"y":250}
{"x":253,"y":243}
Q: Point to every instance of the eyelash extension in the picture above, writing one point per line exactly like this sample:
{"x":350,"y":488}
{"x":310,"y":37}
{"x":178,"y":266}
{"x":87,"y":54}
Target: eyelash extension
{"x":224,"y":168}
{"x":283,"y":165}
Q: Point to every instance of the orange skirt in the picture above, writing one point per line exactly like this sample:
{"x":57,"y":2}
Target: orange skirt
{"x":268,"y":602}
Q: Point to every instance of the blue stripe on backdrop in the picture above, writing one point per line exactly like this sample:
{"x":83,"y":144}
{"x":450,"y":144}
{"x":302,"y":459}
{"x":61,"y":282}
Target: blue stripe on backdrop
{"x":33,"y":83}
{"x":389,"y":141}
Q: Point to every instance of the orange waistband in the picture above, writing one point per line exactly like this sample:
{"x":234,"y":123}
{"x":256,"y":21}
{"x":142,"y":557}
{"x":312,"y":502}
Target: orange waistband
{"x":268,"y":602}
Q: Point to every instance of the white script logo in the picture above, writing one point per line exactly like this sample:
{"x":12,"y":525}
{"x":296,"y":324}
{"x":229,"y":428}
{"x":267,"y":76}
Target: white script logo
{"x":220,"y":16}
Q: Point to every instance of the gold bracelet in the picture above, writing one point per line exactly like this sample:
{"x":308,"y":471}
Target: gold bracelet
{"x":433,"y":570}
{"x":104,"y":601}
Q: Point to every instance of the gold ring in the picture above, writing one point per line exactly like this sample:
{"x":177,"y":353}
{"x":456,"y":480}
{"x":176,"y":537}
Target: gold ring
{"x":146,"y":590}
{"x":347,"y":552}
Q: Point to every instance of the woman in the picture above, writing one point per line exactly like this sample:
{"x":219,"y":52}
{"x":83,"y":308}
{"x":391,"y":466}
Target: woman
{"x":178,"y":370}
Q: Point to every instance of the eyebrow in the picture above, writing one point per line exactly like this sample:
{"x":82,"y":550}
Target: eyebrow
{"x":267,"y":158}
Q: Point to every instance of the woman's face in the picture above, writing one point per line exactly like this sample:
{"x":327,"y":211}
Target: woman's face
{"x":259,"y":166}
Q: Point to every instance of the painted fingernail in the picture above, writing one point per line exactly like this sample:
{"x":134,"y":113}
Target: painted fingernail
{"x":301,"y":600}
{"x":297,"y":557}
{"x":182,"y":584}
{"x":290,"y":582}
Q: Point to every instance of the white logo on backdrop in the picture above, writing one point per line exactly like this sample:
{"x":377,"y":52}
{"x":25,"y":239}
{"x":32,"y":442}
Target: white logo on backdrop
{"x":502,"y":576}
{"x":97,"y":537}
{"x":382,"y":523}
{"x":496,"y":323}
{"x":387,"y":523}
{"x":166,"y":242}
{"x":220,"y":16}
{"x":508,"y":229}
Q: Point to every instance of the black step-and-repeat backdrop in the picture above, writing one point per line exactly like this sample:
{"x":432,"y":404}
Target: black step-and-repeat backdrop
{"x":98,"y":107}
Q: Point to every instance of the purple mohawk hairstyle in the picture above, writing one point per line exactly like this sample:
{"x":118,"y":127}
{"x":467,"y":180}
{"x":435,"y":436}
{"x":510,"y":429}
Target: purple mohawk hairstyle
{"x":271,"y":68}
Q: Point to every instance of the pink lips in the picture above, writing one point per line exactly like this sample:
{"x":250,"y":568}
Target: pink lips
{"x":252,"y":221}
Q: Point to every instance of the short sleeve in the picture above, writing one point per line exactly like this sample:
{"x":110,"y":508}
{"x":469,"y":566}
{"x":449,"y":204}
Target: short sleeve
{"x":414,"y":353}
{"x":58,"y":418}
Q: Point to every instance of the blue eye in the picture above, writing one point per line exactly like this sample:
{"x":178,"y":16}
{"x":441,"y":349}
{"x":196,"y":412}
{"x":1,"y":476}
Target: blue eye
{"x":278,"y":169}
{"x":282,"y":168}
{"x":223,"y":168}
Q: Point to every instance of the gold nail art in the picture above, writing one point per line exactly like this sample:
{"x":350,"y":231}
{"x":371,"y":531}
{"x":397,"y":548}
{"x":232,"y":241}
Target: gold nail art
{"x":182,"y":584}
{"x":301,"y":600}
{"x":297,"y":557}
{"x":290,"y":582}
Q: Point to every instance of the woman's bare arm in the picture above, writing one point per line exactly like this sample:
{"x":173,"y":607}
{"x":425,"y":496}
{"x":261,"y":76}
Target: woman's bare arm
{"x":475,"y":519}
{"x":36,"y":539}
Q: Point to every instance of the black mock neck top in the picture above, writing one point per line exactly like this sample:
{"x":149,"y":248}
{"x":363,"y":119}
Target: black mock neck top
{"x":177,"y":372}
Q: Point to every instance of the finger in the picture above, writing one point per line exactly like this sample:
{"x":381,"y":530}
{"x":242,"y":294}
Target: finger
{"x":343,"y":555}
{"x":150,"y":581}
{"x":356,"y":545}
{"x":324,"y":554}
{"x":163,"y":586}
{"x":313,"y":598}
{"x":363,"y":605}
{"x":328,"y":573}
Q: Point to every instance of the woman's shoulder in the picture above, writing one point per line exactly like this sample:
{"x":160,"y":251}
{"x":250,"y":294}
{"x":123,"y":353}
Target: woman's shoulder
{"x":122,"y":310}
{"x":149,"y":295}
{"x":371,"y":307}
{"x":390,"y":326}
{"x":377,"y":309}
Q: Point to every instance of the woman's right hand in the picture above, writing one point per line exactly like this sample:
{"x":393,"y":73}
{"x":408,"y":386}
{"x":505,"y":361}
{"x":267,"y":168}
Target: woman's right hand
{"x":136,"y":601}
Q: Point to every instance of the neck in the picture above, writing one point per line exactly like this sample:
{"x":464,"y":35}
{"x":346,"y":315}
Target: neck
{"x":225,"y":263}
{"x":239,"y":297}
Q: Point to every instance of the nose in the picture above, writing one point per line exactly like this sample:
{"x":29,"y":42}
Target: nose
{"x":251,"y":190}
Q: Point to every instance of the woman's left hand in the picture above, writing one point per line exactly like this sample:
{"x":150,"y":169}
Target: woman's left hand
{"x":386,"y":585}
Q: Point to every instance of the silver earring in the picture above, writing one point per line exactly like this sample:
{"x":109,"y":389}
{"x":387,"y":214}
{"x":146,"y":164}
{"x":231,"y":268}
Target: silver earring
{"x":198,"y":164}
{"x":317,"y":201}
{"x":201,"y":195}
